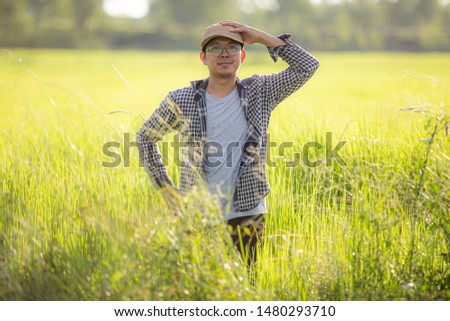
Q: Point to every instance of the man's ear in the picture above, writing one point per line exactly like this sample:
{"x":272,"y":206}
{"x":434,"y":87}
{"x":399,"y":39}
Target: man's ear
{"x":203,"y":57}
{"x":243,"y":55}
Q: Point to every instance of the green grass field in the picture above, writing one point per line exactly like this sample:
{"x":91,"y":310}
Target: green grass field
{"x":375,"y":229}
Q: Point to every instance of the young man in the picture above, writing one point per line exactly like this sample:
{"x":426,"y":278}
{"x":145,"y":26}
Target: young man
{"x":224,"y":122}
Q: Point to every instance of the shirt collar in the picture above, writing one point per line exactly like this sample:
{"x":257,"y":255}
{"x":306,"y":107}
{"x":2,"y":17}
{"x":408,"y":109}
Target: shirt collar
{"x":199,"y":87}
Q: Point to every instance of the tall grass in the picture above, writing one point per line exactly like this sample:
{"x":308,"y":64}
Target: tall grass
{"x":375,"y":229}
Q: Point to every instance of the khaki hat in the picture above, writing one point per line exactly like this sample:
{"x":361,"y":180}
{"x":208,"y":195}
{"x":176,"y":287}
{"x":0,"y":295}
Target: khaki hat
{"x":217,"y":30}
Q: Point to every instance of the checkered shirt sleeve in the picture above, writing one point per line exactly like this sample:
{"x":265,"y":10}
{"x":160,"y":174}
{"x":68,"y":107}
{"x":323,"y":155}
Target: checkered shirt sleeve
{"x":302,"y":66}
{"x":165,"y":119}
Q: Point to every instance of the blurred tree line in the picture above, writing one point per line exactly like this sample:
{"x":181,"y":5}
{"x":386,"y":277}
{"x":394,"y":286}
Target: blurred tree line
{"x":418,"y":25}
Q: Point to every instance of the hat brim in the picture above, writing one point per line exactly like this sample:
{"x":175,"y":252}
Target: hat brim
{"x":208,"y":39}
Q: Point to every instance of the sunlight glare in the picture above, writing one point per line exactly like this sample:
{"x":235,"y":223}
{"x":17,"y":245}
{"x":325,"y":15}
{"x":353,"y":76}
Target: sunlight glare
{"x":135,"y":9}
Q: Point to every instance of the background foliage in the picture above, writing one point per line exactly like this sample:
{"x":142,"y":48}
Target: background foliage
{"x":418,"y":25}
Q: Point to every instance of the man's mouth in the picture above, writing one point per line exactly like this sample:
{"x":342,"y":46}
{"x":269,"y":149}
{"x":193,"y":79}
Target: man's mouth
{"x":224,"y":63}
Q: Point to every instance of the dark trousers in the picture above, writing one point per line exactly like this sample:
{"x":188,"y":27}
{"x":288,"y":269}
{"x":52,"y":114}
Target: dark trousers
{"x":246,"y":233}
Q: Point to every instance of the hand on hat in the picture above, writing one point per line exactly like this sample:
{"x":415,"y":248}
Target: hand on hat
{"x":251,"y":35}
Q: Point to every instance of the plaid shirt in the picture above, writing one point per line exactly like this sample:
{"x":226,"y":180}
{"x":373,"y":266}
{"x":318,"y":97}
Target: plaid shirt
{"x":184,"y":111}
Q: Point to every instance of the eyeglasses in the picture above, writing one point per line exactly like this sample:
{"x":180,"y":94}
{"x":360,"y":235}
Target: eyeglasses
{"x":217,"y":50}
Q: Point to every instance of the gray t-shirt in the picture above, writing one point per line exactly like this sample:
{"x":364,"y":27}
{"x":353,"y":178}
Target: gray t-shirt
{"x":226,"y":129}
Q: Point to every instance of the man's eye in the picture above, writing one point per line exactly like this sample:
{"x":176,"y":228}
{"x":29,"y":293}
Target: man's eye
{"x":215,"y":48}
{"x":233,"y":47}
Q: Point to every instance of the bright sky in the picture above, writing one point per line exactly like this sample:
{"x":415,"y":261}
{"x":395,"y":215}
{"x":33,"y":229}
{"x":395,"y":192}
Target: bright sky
{"x":135,"y":9}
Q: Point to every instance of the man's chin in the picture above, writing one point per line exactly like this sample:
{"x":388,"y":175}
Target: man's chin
{"x":226,"y":75}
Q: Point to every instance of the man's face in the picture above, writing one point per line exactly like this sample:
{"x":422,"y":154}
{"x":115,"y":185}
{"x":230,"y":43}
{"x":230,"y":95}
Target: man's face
{"x":226,"y":64}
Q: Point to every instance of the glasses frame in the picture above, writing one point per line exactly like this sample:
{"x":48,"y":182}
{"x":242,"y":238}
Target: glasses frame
{"x":208,"y":49}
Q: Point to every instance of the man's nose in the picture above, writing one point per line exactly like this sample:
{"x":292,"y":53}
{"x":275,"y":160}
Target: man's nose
{"x":224,"y":53}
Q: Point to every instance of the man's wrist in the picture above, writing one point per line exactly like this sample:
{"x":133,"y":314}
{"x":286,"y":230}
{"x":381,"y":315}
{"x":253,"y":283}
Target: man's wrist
{"x":167,"y":188}
{"x":270,"y":40}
